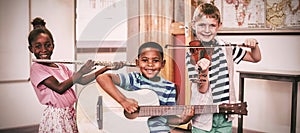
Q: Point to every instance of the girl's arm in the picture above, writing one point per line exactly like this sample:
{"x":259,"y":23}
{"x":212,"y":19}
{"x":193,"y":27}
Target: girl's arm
{"x":61,"y":87}
{"x":92,"y":76}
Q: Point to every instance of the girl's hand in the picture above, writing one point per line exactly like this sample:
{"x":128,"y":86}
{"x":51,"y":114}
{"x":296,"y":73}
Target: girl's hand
{"x":202,"y":64}
{"x":87,"y":67}
{"x":130,"y":105}
{"x":251,"y":43}
{"x":116,"y":66}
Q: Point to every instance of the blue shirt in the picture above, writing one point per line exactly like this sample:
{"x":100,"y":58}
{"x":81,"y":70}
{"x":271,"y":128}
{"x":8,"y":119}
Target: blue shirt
{"x":165,"y":90}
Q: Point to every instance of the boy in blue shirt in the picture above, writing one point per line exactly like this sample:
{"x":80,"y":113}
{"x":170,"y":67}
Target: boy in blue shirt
{"x":150,"y":61}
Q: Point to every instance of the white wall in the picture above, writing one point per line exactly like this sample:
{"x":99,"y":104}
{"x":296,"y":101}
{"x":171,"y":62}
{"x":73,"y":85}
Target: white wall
{"x":18,"y":102}
{"x":12,"y":50}
{"x":269,"y":102}
{"x":104,"y":21}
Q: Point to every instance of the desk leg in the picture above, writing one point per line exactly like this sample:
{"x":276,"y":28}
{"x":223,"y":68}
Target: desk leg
{"x":241,"y":98}
{"x":294,"y":107}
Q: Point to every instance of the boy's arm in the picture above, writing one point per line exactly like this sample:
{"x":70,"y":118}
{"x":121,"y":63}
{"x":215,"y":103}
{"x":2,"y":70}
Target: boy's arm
{"x":184,"y":118}
{"x":254,"y":55}
{"x":107,"y":83}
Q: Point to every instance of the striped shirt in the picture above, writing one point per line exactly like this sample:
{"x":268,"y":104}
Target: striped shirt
{"x":218,"y":73}
{"x":219,"y":77}
{"x":164,"y":89}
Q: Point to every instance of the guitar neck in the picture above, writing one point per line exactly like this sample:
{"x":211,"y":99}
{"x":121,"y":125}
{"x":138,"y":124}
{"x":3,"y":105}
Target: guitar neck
{"x":175,"y":110}
{"x":224,"y":108}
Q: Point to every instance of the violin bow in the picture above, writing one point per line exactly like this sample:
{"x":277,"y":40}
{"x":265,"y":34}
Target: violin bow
{"x":185,"y":46}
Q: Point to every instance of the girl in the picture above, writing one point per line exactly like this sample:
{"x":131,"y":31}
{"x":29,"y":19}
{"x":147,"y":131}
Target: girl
{"x":53,"y":83}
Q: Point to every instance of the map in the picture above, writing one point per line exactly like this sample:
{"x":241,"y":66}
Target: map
{"x":283,"y":13}
{"x":259,"y":14}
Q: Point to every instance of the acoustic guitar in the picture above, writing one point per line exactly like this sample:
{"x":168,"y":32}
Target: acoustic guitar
{"x":98,"y":112}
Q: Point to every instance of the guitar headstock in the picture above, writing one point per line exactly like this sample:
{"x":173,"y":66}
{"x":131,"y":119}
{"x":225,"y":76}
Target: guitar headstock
{"x":235,"y":108}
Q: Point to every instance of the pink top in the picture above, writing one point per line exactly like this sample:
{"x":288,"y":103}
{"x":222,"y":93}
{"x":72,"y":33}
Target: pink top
{"x":46,"y":96}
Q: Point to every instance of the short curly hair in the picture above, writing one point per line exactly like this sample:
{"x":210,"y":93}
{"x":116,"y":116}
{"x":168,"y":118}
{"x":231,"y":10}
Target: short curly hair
{"x":151,"y":45}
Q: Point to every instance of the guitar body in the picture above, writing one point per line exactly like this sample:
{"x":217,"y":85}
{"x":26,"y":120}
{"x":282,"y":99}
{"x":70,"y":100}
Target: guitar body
{"x":113,"y":119}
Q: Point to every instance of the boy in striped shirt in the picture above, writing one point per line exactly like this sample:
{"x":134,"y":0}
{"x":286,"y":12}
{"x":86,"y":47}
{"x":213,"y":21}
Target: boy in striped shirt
{"x":150,"y":61}
{"x":215,"y":79}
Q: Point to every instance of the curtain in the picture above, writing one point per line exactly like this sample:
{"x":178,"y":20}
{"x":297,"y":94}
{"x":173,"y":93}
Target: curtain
{"x":150,"y":20}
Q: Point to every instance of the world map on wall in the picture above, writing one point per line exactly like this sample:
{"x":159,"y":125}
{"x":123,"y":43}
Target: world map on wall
{"x":259,"y":14}
{"x":284,"y":13}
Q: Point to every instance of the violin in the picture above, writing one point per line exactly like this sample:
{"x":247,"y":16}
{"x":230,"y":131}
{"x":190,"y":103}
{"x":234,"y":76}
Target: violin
{"x":198,"y":51}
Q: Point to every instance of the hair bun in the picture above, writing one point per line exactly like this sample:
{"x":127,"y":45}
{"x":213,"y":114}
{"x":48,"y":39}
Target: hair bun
{"x":38,"y":23}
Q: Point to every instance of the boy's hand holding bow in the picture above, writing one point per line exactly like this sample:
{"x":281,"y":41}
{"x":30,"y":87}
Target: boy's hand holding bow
{"x":202,"y":64}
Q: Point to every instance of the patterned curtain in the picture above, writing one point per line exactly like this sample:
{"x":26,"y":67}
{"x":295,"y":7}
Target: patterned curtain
{"x":150,"y":20}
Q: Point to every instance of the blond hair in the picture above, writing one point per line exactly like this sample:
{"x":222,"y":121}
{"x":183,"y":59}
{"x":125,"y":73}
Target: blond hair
{"x":208,"y":10}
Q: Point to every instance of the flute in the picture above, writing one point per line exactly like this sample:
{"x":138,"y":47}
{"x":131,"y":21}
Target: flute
{"x":97,"y":63}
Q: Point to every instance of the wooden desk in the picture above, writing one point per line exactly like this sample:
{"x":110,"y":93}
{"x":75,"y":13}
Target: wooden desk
{"x":287,"y":76}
